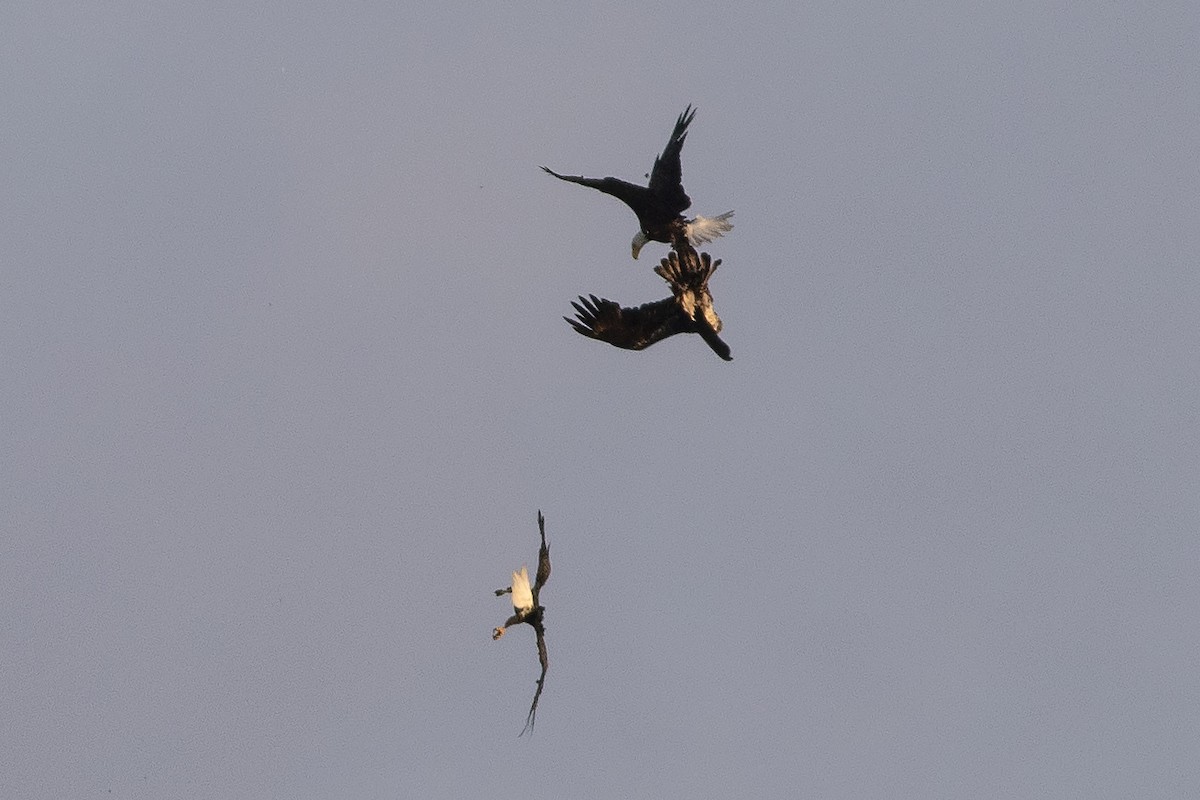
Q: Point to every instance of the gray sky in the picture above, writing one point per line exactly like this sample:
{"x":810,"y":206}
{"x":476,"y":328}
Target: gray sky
{"x":285,"y":381}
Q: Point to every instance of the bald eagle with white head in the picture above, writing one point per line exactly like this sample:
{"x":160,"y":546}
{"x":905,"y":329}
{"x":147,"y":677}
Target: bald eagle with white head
{"x":527,"y":608}
{"x":660,"y":205}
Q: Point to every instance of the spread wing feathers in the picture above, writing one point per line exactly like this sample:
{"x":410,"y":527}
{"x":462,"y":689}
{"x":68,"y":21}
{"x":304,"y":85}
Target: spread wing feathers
{"x":628,"y":328}
{"x":663,"y":200}
{"x":666,"y":178}
{"x":703,"y":230}
{"x":543,"y":570}
{"x":636,"y":197}
{"x":522,"y":597}
{"x":688,"y":272}
{"x":545,"y":662}
{"x":531,"y":613}
{"x":688,"y":310}
{"x":715,"y":342}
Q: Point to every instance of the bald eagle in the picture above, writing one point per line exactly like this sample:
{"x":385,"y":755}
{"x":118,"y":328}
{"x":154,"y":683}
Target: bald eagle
{"x":660,"y":206}
{"x":688,"y":310}
{"x":528,"y":609}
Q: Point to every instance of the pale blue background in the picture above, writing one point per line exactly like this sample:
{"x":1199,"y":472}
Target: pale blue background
{"x":283,"y":382}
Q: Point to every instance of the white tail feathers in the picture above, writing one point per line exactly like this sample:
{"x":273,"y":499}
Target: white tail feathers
{"x":702,"y":230}
{"x":522,"y":595}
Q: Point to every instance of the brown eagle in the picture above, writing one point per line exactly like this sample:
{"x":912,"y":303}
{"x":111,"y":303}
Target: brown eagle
{"x":688,"y":310}
{"x":660,"y":205}
{"x":528,"y":609}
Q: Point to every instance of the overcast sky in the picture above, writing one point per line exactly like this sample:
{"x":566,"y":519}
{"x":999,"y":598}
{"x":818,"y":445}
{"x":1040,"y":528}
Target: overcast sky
{"x":284,"y":382}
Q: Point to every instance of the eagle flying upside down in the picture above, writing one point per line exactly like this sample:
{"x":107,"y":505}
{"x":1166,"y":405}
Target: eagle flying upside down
{"x":528,"y":609}
{"x":660,"y":205}
{"x":688,"y":310}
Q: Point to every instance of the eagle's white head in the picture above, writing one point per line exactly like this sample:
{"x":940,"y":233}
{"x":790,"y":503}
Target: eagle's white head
{"x":639,"y":241}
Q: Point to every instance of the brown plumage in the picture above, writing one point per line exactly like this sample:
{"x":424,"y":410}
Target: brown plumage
{"x":528,"y":609}
{"x":688,"y":310}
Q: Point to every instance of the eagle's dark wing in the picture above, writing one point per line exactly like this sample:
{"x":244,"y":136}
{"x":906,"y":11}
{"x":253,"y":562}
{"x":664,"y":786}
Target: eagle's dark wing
{"x":687,"y":273}
{"x":666,"y":178}
{"x":712,"y":340}
{"x":545,"y":662}
{"x":630,"y":328}
{"x":543,"y":570}
{"x":639,"y":198}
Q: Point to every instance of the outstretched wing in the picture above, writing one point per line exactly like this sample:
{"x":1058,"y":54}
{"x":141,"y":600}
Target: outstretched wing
{"x":629,"y":328}
{"x":543,"y":570}
{"x":666,"y":178}
{"x":713,"y":341}
{"x":687,"y":273}
{"x":636,"y":197}
{"x":545,"y":662}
